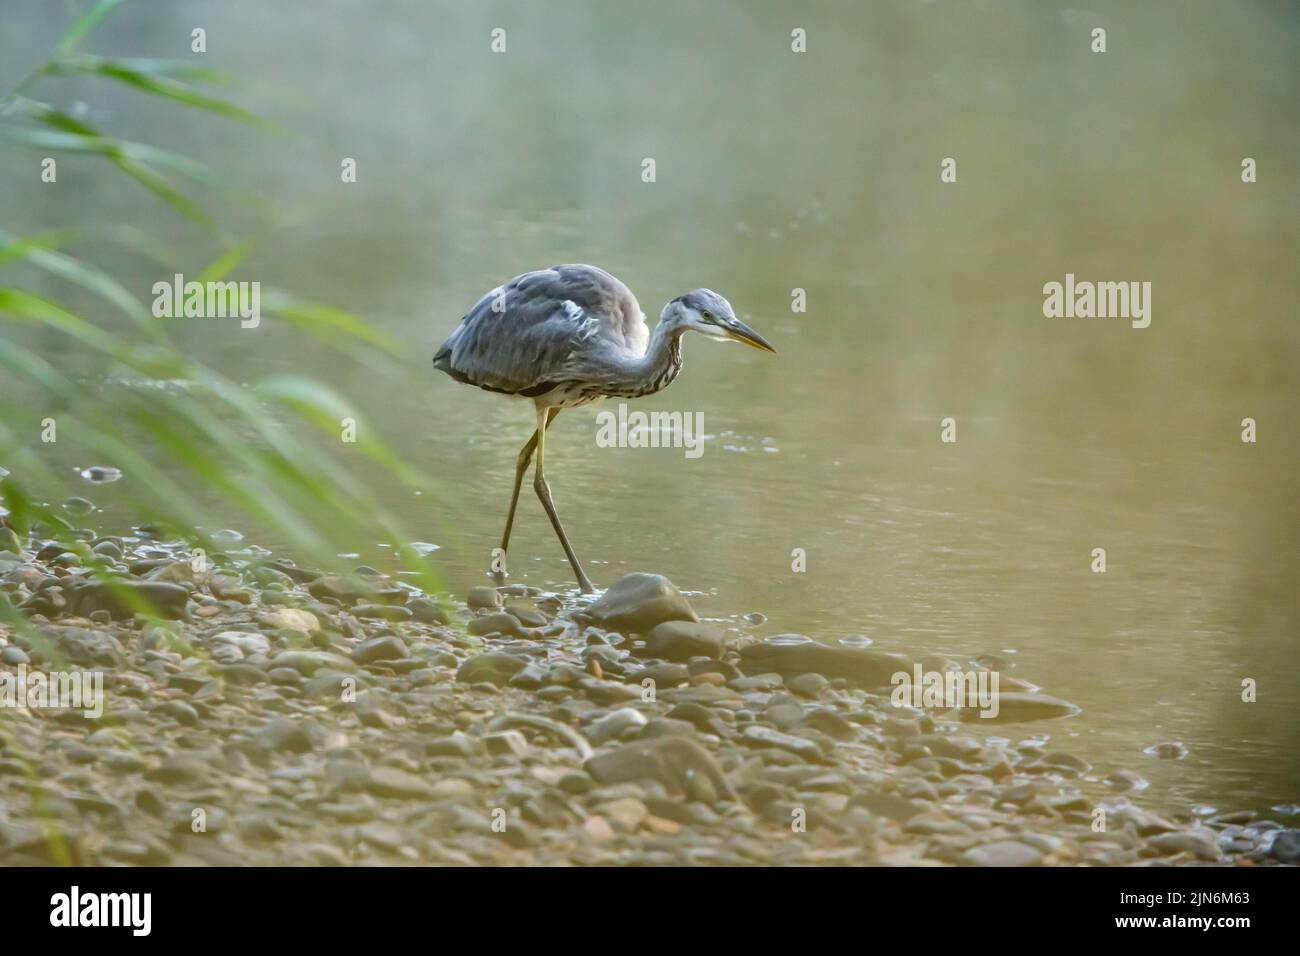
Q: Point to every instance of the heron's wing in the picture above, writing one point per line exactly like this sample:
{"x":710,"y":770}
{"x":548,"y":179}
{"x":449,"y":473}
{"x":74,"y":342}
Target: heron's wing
{"x":532,"y":332}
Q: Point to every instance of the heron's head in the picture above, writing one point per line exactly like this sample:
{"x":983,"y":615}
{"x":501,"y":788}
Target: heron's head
{"x":708,"y":313}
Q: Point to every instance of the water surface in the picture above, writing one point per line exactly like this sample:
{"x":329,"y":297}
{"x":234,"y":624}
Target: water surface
{"x":820,"y":172}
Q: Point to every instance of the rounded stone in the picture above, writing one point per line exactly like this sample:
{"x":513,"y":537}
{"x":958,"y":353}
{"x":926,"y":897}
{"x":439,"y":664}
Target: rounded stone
{"x":682,"y":640}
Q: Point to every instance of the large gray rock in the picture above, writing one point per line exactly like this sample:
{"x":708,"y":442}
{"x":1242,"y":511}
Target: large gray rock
{"x":638,"y":602}
{"x":864,"y":666}
{"x":682,"y":640}
{"x":1014,"y":706}
{"x":683,"y":767}
{"x":350,"y":590}
{"x":123,"y":598}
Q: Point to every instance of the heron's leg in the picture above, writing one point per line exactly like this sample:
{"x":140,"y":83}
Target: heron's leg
{"x":544,"y":492}
{"x":521,"y":466}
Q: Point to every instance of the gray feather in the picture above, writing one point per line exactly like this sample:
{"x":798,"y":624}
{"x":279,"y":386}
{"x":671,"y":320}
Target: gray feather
{"x":545,"y":328}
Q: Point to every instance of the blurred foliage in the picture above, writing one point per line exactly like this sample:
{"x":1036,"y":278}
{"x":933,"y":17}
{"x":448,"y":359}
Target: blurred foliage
{"x":261,"y":450}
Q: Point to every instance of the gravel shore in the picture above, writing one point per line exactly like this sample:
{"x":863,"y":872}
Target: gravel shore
{"x":277,"y":715}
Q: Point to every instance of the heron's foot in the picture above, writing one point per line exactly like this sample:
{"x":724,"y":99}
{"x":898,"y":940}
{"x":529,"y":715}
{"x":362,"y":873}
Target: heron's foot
{"x":585,"y":585}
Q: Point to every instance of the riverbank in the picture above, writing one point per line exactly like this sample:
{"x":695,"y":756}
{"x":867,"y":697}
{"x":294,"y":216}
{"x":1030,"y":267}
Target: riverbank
{"x":278,"y":715}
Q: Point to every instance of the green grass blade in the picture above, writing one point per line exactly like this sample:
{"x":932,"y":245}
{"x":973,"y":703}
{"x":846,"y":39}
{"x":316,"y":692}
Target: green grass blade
{"x":72,"y":39}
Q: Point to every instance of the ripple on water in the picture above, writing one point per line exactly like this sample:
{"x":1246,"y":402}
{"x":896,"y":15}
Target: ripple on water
{"x":1170,"y":750}
{"x":789,"y":639}
{"x":856,"y":640}
{"x":100,"y":474}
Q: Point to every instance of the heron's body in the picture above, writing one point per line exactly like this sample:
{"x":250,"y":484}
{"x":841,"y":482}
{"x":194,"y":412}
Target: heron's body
{"x":570,"y":335}
{"x":563,"y":337}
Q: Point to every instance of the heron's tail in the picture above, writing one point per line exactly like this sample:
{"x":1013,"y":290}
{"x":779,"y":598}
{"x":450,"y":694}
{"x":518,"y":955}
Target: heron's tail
{"x":442,"y":360}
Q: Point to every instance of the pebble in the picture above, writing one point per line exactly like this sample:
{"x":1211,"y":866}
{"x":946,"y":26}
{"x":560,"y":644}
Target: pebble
{"x":14,"y":655}
{"x":180,"y":712}
{"x":506,"y":743}
{"x":9,"y":540}
{"x":247,"y":643}
{"x":497,"y":623}
{"x":663,"y":675}
{"x":678,"y":763}
{"x":1002,"y":853}
{"x":527,"y":616}
{"x":1286,"y":847}
{"x":1199,"y":843}
{"x":427,"y":611}
{"x":397,"y":784}
{"x":758,"y":736}
{"x":290,"y":619}
{"x":808,"y":685}
{"x":597,"y":828}
{"x":725,"y":668}
{"x":452,"y":788}
{"x":627,"y":813}
{"x":108,"y":548}
{"x":389,"y":648}
{"x":309,"y":662}
{"x":615,"y":725}
{"x":284,"y":734}
{"x":494,"y":668}
{"x":382,"y":612}
{"x":831,"y":724}
{"x":483,"y":598}
{"x":682,"y":640}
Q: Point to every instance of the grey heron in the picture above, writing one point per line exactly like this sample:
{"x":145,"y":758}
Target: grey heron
{"x":570,"y":335}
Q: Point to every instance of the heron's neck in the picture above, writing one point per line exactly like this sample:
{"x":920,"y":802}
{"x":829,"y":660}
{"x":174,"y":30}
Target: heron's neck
{"x":662,"y":361}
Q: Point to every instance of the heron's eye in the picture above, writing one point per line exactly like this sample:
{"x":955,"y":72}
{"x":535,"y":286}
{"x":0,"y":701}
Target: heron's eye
{"x":707,"y":316}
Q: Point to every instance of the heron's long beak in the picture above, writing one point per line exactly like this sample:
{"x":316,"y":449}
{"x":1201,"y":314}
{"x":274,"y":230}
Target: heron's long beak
{"x":741,"y":332}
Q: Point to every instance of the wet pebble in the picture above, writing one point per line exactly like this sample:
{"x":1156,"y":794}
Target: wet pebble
{"x":496,"y":623}
{"x":427,"y":611}
{"x":682,"y":640}
{"x":483,"y":598}
{"x":615,"y":725}
{"x":389,"y":648}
